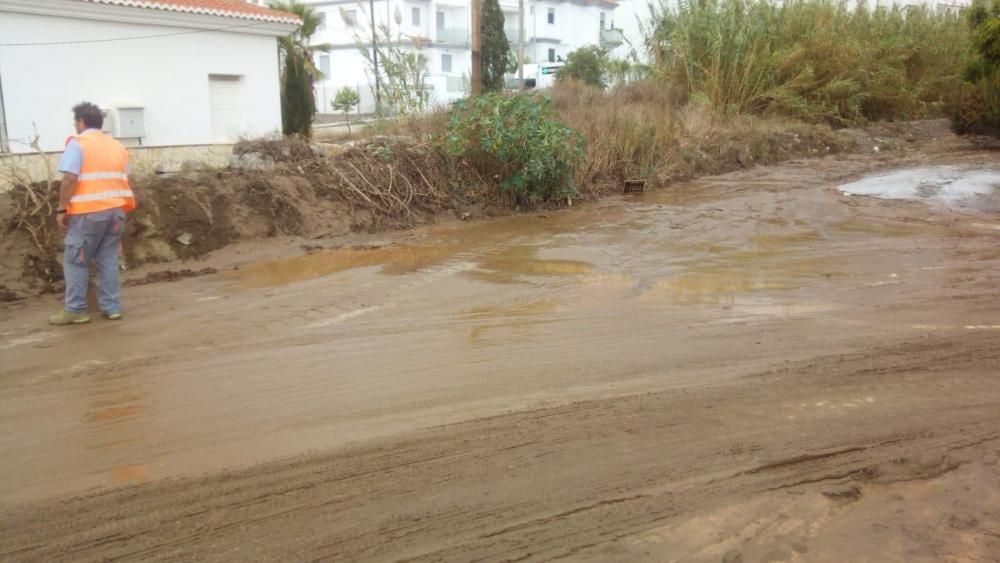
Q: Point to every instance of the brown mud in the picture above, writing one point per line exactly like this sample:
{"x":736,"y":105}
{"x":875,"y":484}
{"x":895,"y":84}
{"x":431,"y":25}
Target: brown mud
{"x":749,"y":367}
{"x":279,"y":188}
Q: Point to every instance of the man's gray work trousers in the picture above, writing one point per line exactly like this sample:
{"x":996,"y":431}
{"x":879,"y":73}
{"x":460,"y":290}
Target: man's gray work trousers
{"x":93,"y":236}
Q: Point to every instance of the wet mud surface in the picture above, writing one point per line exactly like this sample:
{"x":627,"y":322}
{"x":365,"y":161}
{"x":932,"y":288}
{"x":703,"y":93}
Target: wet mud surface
{"x":755,"y":367}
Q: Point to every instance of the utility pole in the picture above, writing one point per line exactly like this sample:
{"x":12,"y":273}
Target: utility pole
{"x":520,"y":45}
{"x":477,"y":77}
{"x":378,"y":87}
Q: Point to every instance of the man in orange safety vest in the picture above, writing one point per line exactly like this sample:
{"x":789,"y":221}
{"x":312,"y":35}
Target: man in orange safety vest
{"x":93,"y":199}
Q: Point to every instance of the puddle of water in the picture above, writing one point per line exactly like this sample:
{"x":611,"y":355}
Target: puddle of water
{"x":501,"y":323}
{"x":718,"y":286}
{"x":683,"y":193}
{"x":948,"y":185}
{"x":778,"y":242}
{"x":517,"y":262}
{"x":526,"y":308}
{"x":504,"y":332}
{"x":773,"y":309}
{"x":395,"y":260}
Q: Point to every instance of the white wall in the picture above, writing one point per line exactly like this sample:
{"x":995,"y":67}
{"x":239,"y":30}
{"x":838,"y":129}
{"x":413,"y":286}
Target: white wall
{"x":168,"y":76}
{"x":631,"y":16}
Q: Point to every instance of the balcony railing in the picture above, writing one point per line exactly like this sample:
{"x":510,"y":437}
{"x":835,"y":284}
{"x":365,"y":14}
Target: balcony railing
{"x":452,"y":35}
{"x":612,"y":37}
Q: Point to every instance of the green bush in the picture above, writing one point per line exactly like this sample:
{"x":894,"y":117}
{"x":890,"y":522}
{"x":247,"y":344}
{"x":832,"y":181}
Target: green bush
{"x":818,"y":60}
{"x":586,"y":64}
{"x":976,"y":108}
{"x":519,"y":140}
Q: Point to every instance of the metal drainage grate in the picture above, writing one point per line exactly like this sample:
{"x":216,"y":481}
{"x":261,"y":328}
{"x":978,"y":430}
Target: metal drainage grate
{"x":634,"y":187}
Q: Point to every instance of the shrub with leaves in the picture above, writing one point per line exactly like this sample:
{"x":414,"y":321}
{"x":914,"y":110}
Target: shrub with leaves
{"x":400,"y":75}
{"x":976,"y":108}
{"x":586,"y":64}
{"x":347,"y":98}
{"x":520,"y":140}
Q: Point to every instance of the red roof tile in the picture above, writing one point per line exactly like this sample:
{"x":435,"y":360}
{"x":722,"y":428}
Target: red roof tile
{"x":224,"y":8}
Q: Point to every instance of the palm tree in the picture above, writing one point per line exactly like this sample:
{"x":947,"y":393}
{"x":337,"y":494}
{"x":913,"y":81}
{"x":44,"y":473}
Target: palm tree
{"x":620,"y":70}
{"x":299,"y":71}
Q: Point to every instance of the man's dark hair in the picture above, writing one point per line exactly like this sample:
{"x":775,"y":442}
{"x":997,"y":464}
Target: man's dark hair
{"x":90,"y":114}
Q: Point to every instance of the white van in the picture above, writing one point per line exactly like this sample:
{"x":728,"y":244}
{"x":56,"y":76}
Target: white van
{"x":541,"y":75}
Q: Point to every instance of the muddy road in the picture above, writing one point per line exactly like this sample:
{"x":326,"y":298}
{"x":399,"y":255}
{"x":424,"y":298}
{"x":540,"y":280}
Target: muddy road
{"x":753,"y":367}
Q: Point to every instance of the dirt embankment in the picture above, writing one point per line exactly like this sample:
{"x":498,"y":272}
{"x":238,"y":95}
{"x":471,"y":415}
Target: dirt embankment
{"x":279,"y":188}
{"x":273,"y":188}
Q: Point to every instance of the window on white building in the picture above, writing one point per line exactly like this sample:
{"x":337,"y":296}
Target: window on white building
{"x":324,"y":66}
{"x":445,"y":62}
{"x":552,"y":15}
{"x":440,"y":19}
{"x":552,"y":55}
{"x":350,"y":17}
{"x":415,"y":16}
{"x":604,"y":19}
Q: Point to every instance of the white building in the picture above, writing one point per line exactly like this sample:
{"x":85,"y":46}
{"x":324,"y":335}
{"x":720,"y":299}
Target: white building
{"x":633,"y":18}
{"x":553,"y":28}
{"x":169,"y":72}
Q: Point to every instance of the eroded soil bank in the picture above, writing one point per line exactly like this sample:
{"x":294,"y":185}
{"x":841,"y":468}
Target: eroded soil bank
{"x":755,"y":365}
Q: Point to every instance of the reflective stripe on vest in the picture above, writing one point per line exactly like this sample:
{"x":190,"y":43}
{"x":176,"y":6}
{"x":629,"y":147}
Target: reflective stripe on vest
{"x":103,"y":179}
{"x":100,"y":195}
{"x":102,"y":176}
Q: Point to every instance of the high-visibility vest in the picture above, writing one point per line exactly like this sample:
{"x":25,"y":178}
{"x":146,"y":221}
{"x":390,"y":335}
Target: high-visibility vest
{"x":103,"y":180}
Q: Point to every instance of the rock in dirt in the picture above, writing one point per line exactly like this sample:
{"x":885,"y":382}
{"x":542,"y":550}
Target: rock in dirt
{"x":842,"y":492}
{"x":168,"y":167}
{"x":251,"y":161}
{"x":962,"y":521}
{"x":7,"y":295}
{"x":185,"y":239}
{"x":732,"y":556}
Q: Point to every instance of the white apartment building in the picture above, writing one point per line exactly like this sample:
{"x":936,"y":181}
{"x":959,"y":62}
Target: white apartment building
{"x":553,"y":28}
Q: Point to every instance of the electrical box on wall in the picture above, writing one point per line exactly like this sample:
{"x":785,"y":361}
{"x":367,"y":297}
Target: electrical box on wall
{"x":109,"y":122}
{"x":131,"y":123}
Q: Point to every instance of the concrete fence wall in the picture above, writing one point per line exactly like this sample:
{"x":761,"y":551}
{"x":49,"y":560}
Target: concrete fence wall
{"x":142,"y":160}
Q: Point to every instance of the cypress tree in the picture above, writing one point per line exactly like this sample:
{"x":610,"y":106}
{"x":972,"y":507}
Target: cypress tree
{"x":297,"y":101}
{"x":495,"y":48}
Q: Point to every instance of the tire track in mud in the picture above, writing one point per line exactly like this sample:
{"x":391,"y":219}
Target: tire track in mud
{"x":553,"y":482}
